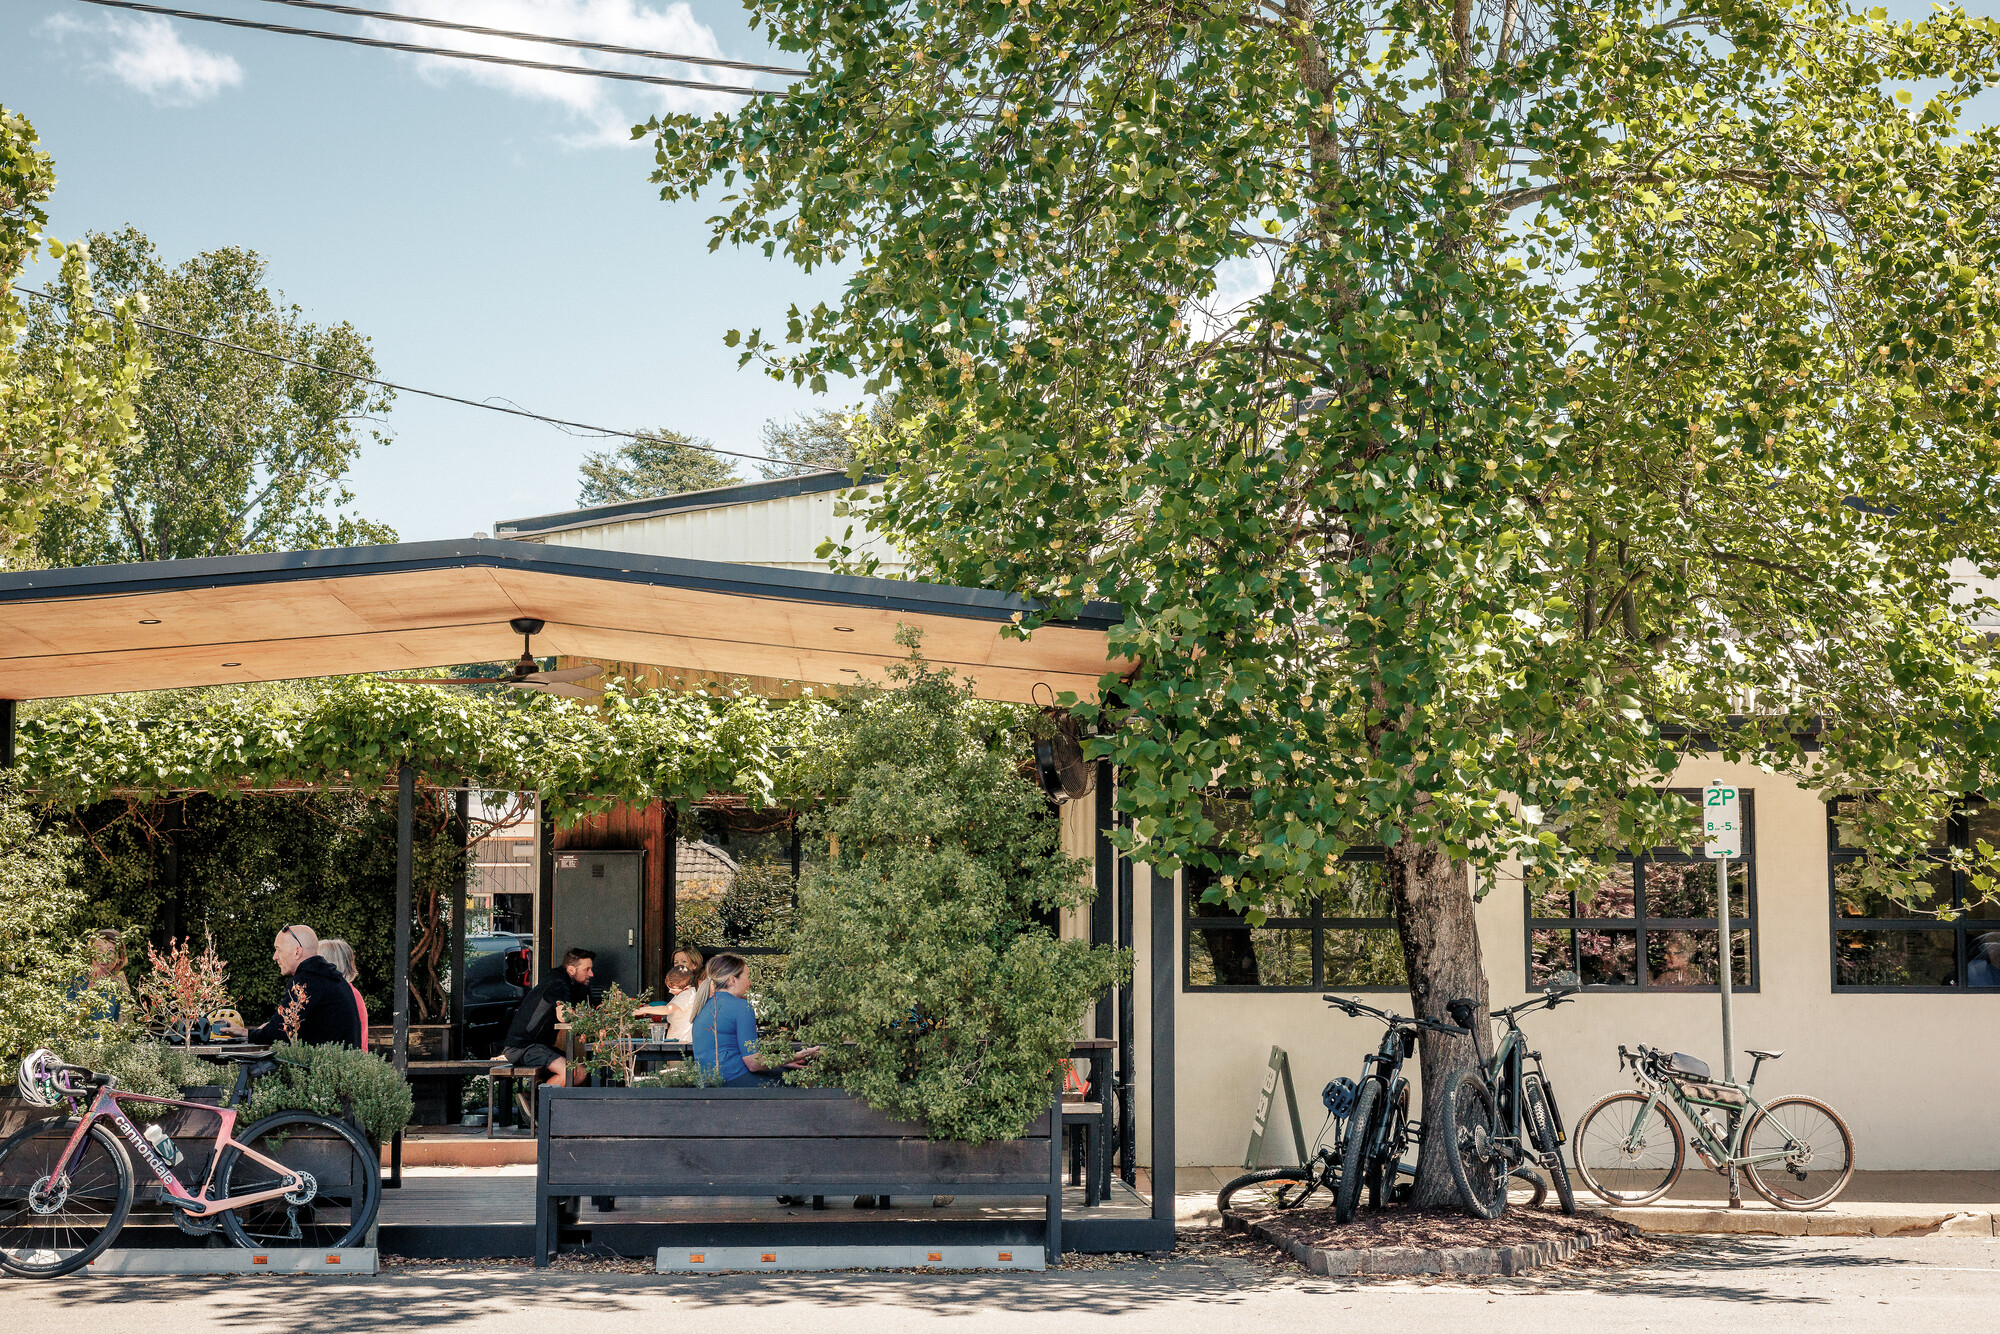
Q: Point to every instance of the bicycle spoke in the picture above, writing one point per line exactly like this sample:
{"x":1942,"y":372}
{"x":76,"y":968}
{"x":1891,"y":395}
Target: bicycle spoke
{"x":331,"y":1209}
{"x":1804,"y":1153}
{"x":1627,"y":1149}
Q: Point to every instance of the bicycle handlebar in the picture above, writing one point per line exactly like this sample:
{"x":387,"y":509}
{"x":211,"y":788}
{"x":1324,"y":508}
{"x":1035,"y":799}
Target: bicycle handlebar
{"x":1354,"y":1009}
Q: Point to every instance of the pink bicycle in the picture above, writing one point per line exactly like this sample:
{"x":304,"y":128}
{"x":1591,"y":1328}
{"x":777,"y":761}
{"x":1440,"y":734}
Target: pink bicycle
{"x":294,"y":1179}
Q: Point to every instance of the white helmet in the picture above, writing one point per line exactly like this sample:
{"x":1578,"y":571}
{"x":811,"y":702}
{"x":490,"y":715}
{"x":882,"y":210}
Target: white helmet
{"x":40,"y":1080}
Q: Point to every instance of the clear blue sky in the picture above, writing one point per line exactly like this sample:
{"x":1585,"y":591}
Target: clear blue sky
{"x":493,"y":232}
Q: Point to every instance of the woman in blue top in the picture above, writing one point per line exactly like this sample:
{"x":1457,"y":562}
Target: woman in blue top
{"x":725,"y":1028}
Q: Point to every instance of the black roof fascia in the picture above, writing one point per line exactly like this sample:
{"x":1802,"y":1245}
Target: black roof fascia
{"x":843,"y":590}
{"x":744,"y":493}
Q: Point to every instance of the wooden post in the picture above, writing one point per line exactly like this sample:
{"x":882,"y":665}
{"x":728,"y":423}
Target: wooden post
{"x":462,"y":888}
{"x":399,"y":997}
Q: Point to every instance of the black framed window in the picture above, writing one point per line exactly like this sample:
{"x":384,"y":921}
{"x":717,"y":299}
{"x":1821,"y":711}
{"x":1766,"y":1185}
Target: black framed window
{"x":1343,"y":935}
{"x":1653,"y":926}
{"x":1879,"y":946}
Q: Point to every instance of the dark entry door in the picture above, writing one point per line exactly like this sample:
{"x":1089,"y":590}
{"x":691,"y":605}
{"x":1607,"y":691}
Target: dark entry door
{"x":597,"y":907}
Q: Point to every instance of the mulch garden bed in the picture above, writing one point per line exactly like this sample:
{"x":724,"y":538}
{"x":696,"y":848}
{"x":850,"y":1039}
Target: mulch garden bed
{"x":1406,"y":1241}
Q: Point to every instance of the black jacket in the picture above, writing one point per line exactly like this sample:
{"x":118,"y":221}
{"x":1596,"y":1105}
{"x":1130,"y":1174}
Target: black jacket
{"x":535,"y":1022}
{"x":330,"y":1014}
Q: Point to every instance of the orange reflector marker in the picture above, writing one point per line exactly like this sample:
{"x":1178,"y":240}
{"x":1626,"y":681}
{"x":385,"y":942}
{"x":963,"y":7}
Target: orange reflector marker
{"x":333,"y":1259}
{"x":697,"y":1258}
{"x":1006,"y":1255}
{"x":770,"y":1258}
{"x":934,"y":1256}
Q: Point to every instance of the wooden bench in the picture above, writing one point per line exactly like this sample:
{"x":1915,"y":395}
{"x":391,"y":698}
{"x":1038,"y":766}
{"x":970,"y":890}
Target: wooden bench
{"x":764,"y":1142}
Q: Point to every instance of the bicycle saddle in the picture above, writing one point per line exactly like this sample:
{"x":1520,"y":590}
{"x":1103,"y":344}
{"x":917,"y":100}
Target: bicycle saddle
{"x":1763,"y":1055}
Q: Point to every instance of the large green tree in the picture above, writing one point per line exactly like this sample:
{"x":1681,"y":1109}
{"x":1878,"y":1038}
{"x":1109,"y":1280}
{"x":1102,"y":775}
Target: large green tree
{"x":1473,"y":405}
{"x":653,"y":463}
{"x":237,"y":452}
{"x":66,"y":418}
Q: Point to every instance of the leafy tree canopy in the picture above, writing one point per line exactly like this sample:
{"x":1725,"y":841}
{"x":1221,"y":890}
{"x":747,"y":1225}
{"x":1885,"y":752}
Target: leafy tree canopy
{"x":42,"y":949}
{"x":1472,"y":405}
{"x":658,"y":463}
{"x":66,"y":416}
{"x":237,"y":452}
{"x":822,"y":441}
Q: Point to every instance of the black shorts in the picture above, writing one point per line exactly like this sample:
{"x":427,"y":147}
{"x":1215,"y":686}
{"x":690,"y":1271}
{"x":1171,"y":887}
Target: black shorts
{"x":534,"y":1054}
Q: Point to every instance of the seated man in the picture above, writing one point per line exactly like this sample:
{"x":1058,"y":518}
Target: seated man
{"x":318,"y":999}
{"x":531,"y":1040}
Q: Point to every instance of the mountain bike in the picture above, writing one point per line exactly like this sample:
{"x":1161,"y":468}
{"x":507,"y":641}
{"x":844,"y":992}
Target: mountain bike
{"x":1502,"y":1118}
{"x":1795,"y":1151}
{"x":1379,"y":1129}
{"x":293,"y":1179}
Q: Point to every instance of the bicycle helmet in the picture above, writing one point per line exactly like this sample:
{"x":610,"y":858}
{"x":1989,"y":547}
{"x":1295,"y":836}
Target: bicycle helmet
{"x":40,"y":1079}
{"x":1339,"y":1097}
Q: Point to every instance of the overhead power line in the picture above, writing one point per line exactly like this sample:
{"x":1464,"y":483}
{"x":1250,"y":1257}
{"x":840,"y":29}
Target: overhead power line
{"x":410,"y":389}
{"x":284,"y":31}
{"x":532,"y":37}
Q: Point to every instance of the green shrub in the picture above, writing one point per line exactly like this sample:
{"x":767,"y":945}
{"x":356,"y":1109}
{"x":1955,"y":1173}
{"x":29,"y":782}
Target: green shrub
{"x":147,"y":1067}
{"x":686,"y":1074}
{"x":918,"y":962}
{"x":42,"y":946}
{"x":333,"y":1080}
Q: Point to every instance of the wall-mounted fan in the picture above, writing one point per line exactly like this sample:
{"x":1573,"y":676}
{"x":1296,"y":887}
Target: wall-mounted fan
{"x":527,"y":673}
{"x":1065,"y":774}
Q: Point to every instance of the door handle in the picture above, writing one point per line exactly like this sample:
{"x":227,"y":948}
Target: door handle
{"x":629,"y":937}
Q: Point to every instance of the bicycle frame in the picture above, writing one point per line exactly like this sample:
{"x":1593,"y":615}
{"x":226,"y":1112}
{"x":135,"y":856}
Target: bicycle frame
{"x":1386,"y":1067}
{"x":1719,"y":1155}
{"x":104,"y":1107}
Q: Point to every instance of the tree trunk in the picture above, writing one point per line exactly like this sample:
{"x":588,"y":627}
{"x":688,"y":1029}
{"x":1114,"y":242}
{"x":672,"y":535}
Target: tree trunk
{"x":1440,"y":938}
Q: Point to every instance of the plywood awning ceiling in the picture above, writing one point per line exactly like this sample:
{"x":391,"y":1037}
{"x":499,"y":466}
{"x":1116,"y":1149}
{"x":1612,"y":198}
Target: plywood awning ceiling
{"x":113,"y":628}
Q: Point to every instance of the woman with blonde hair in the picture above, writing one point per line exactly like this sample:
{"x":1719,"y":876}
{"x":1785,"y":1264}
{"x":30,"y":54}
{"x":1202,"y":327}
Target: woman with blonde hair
{"x":725,"y":1028}
{"x":341,"y":955}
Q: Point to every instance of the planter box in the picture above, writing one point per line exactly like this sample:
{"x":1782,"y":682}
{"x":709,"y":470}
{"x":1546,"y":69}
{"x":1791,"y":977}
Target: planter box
{"x":771,"y":1141}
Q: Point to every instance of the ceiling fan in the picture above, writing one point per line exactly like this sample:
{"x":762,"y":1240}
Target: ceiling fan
{"x":527,"y":673}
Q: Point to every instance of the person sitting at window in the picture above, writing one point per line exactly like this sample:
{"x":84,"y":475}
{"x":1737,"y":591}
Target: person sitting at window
{"x":532,"y":1037}
{"x":1983,"y":970}
{"x":725,"y":1029}
{"x":316,"y":1004}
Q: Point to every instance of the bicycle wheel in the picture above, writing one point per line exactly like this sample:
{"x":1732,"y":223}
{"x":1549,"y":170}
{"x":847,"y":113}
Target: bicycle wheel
{"x":1354,"y":1152}
{"x":333,"y":1209}
{"x":1271,"y":1188}
{"x":48,"y":1229}
{"x":1542,"y":1130}
{"x":1382,"y":1171}
{"x":1819,"y":1153}
{"x":1476,"y":1164}
{"x":1625,"y":1153}
{"x":1526,"y":1189}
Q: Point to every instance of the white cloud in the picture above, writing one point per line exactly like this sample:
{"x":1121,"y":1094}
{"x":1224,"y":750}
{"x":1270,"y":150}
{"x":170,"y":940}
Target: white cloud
{"x":146,"y":54}
{"x":605,"y":108}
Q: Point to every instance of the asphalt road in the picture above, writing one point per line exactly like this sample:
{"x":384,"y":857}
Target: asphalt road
{"x":1714,"y":1285}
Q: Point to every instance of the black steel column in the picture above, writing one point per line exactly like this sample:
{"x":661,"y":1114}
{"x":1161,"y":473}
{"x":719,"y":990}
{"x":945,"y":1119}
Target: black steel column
{"x":1128,"y":1038}
{"x":6,"y":733}
{"x":672,"y":891}
{"x":399,"y":997}
{"x":545,"y":887}
{"x":1105,"y":859}
{"x":1162,"y":973}
{"x":463,"y":813}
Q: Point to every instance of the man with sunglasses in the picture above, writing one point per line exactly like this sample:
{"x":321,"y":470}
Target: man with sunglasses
{"x":324,"y":1005}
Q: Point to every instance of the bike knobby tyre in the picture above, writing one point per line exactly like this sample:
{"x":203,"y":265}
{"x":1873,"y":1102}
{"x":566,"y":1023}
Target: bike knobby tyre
{"x":1476,"y":1164}
{"x":1819,"y":1153}
{"x":347,"y":1184}
{"x":1382,"y":1172}
{"x":1624,"y":1158}
{"x":1271,"y":1188}
{"x":1354,"y":1152}
{"x":64,"y":1233}
{"x":1542,"y":1129}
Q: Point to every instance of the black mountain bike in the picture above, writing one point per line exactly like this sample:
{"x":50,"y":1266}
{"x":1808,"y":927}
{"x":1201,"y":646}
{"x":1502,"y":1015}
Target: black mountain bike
{"x":1504,"y":1118}
{"x":1379,"y":1129}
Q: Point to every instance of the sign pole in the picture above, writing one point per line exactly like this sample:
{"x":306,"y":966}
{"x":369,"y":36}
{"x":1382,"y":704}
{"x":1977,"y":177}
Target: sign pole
{"x":1721,"y":807}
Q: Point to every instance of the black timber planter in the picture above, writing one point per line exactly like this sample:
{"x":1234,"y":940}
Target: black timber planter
{"x":771,"y":1141}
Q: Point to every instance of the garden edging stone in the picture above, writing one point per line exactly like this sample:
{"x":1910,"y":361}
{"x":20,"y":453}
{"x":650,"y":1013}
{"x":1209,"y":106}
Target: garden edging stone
{"x":1449,"y":1261}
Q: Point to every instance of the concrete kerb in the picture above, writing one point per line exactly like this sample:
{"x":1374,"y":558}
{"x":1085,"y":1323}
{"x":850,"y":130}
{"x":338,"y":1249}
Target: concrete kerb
{"x":167,"y":1260}
{"x":1857,"y":1220}
{"x":1450,"y":1261}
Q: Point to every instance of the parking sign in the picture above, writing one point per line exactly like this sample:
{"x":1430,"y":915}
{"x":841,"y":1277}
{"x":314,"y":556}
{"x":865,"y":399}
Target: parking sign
{"x":1722,"y":813}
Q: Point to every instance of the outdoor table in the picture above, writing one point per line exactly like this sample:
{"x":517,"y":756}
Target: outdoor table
{"x":1096,"y":1121}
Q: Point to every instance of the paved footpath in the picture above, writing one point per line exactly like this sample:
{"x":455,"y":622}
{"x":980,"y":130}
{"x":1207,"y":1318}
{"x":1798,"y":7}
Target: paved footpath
{"x":1714,"y":1285}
